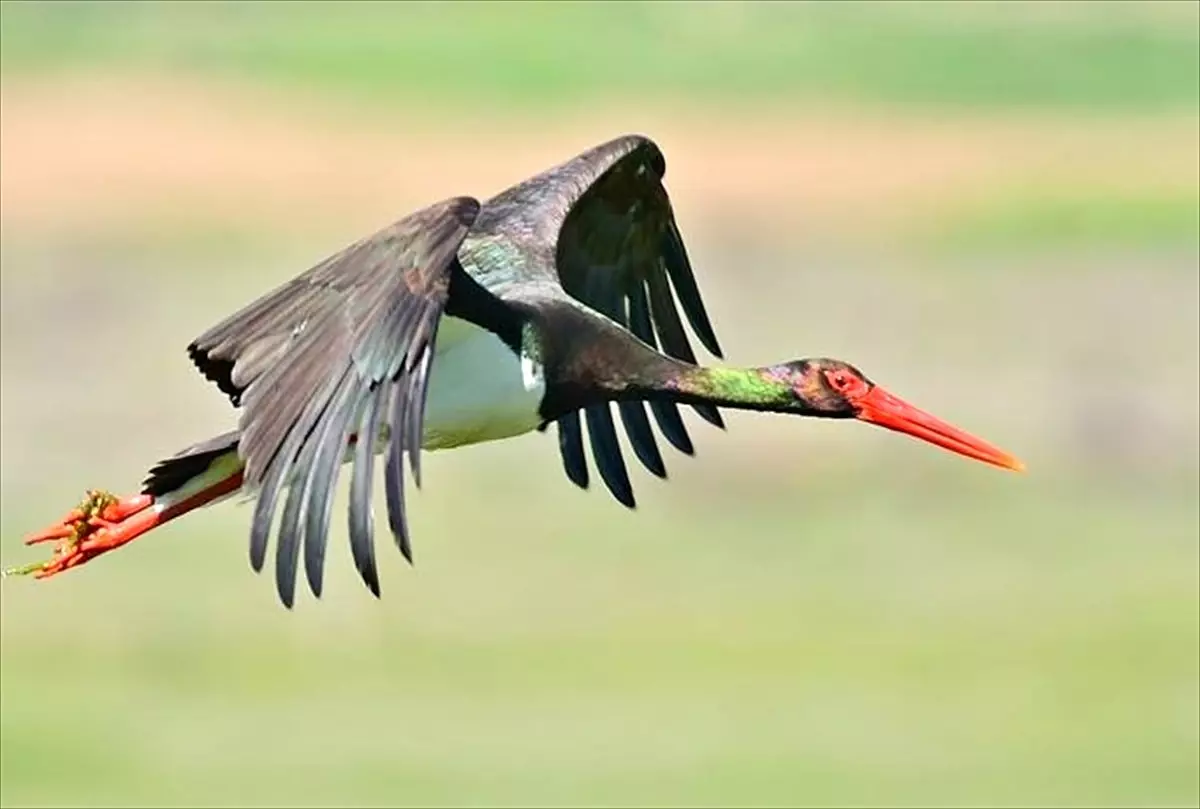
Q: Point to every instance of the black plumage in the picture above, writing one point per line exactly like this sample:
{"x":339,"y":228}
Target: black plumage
{"x":314,"y":360}
{"x":607,"y":219}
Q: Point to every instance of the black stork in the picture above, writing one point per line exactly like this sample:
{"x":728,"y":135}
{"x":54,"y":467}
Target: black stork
{"x":461,"y":323}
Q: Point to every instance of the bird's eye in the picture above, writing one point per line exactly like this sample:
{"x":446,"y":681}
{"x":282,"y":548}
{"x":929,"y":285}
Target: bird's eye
{"x":844,"y":382}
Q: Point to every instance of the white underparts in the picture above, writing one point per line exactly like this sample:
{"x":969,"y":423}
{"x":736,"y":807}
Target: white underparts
{"x":479,"y":389}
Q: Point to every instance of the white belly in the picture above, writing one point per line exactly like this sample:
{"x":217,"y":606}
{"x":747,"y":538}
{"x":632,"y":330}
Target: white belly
{"x":479,"y":390}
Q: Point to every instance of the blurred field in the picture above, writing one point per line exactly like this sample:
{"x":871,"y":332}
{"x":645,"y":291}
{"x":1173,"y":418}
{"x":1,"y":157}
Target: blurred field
{"x":993,"y":208}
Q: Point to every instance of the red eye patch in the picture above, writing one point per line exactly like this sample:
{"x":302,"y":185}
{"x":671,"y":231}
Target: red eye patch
{"x":846,"y":383}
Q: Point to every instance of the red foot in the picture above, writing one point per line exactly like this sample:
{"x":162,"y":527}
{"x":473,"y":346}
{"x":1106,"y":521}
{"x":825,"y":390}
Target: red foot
{"x":99,"y":524}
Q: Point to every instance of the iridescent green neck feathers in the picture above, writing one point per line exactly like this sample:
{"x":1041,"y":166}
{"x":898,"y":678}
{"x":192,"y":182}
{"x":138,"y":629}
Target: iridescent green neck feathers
{"x":741,"y":388}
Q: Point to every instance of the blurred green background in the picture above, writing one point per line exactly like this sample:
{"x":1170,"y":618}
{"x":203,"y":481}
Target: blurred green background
{"x":992,"y":208}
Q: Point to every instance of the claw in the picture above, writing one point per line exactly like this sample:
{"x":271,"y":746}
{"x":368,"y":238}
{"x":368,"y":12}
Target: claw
{"x":99,"y":524}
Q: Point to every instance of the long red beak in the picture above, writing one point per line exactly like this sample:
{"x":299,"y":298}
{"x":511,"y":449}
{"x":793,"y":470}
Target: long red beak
{"x":882,"y":408}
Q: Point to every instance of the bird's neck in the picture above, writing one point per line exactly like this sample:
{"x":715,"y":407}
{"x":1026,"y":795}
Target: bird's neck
{"x":738,"y":388}
{"x":745,"y":388}
{"x":590,"y":361}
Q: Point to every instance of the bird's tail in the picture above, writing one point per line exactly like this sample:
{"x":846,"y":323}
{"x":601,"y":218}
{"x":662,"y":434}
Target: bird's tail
{"x":190,"y":469}
{"x":197,"y":476}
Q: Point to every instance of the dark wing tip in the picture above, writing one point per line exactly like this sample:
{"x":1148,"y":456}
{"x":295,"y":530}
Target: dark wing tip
{"x":285,"y":590}
{"x":215,"y":369}
{"x":658,"y":162}
{"x":710,"y":414}
{"x":570,"y":443}
{"x":641,"y":437}
{"x":607,"y":453}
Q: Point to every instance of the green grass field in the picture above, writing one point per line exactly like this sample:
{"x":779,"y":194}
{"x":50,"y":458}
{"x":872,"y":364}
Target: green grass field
{"x":806,"y":614}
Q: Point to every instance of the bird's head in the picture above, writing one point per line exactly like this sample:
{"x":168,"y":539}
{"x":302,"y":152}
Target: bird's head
{"x":831,"y":388}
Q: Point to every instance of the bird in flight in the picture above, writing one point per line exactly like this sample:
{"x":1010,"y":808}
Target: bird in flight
{"x":555,"y":302}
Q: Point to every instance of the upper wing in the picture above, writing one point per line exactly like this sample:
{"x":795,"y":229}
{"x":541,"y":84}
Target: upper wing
{"x":342,"y":350}
{"x":620,"y":252}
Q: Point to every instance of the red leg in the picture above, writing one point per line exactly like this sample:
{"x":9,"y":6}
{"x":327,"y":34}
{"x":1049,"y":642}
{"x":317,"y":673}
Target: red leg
{"x":100,"y":523}
{"x":103,"y":522}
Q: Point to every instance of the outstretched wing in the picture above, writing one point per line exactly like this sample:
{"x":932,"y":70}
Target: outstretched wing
{"x":619,"y":251}
{"x":342,"y":351}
